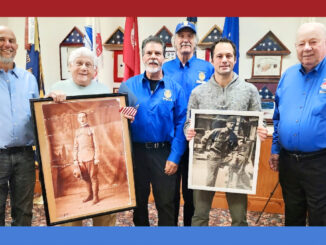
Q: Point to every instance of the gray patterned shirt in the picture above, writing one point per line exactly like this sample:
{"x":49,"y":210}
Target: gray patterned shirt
{"x":238,"y":95}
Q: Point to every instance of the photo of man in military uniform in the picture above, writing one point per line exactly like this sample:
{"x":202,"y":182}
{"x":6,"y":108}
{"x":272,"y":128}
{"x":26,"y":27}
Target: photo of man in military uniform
{"x":86,"y":158}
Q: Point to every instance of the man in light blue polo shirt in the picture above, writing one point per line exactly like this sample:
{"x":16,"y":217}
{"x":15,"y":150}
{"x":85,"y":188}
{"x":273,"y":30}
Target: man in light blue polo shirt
{"x":299,"y":142}
{"x":189,"y":72}
{"x":17,"y":168}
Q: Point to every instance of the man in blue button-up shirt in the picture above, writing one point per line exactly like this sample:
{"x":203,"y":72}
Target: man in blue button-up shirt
{"x":299,"y":139}
{"x":17,"y":170}
{"x":189,"y":72}
{"x":158,"y":140}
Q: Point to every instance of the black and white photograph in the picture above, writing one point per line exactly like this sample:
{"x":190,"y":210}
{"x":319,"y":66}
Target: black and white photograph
{"x":224,"y":154}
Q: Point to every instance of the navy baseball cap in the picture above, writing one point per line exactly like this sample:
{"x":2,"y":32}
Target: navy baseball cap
{"x":185,"y":24}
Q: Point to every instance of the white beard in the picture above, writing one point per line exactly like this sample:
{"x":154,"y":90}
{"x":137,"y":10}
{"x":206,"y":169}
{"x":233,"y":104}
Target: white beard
{"x":152,"y":69}
{"x":6,"y":60}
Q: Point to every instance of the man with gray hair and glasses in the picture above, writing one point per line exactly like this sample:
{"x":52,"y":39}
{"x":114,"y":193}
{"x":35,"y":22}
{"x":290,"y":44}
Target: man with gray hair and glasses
{"x":299,"y":142}
{"x":83,"y":68}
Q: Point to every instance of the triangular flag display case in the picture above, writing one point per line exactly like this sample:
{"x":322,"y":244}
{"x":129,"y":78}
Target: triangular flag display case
{"x":74,"y":39}
{"x":267,"y":56}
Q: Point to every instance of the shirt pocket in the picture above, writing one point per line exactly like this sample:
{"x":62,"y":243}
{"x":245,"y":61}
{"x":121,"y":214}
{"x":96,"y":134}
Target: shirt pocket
{"x":319,"y":105}
{"x":165,"y":108}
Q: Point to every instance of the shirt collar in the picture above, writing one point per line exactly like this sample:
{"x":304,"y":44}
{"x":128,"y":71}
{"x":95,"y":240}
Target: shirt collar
{"x":13,"y":71}
{"x":188,"y":63}
{"x":234,"y":79}
{"x":317,"y":68}
{"x":145,"y":78}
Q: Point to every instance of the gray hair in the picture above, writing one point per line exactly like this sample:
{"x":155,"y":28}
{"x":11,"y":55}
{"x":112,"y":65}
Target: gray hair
{"x":82,"y":52}
{"x":153,"y":39}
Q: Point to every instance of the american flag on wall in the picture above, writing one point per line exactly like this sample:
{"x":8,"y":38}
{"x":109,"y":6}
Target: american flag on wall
{"x":74,"y":37}
{"x":269,"y":43}
{"x":116,"y":38}
{"x":267,"y":98}
{"x":213,"y":36}
{"x":265,"y":93}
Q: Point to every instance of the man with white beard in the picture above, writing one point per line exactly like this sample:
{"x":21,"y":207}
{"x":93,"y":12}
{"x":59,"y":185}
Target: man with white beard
{"x":158,"y":140}
{"x":17,"y":168}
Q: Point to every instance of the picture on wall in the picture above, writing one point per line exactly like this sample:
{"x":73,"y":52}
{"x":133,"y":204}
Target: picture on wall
{"x":224,"y":154}
{"x":85,"y":156}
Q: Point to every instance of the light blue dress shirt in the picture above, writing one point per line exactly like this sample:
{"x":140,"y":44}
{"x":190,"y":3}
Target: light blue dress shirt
{"x":17,"y":86}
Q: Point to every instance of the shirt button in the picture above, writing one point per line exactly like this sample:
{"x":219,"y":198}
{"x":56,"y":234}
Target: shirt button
{"x":300,"y":107}
{"x":297,"y":121}
{"x":294,"y":134}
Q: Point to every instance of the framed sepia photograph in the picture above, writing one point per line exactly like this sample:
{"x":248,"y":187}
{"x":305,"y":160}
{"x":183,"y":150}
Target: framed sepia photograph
{"x":224,"y":154}
{"x":84,"y":152}
{"x":267,"y":66}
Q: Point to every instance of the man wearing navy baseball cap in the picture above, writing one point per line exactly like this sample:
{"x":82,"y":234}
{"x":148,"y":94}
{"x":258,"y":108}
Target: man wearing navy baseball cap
{"x":186,"y":24}
{"x":189,"y":72}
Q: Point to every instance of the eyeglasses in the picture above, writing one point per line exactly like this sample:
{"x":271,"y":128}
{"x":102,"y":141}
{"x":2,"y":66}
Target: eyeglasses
{"x":88,"y":65}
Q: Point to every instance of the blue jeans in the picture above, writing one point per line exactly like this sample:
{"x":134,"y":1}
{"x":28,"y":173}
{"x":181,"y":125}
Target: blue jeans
{"x":17,"y":174}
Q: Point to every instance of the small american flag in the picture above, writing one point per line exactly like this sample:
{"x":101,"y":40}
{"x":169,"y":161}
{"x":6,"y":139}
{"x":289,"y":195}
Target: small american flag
{"x":129,"y":110}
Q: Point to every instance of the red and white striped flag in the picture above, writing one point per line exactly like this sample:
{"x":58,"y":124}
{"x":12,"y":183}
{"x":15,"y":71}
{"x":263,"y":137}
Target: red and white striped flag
{"x":129,"y":110}
{"x":93,"y":41}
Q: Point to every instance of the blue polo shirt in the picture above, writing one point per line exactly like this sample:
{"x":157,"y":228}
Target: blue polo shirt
{"x":300,"y":113}
{"x":193,"y":73}
{"x":161,"y":114}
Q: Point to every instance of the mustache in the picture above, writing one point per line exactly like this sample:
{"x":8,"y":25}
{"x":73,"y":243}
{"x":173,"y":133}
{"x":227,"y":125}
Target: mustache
{"x":153,"y":62}
{"x":186,"y":44}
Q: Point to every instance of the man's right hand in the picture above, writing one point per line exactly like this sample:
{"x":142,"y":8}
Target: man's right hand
{"x":190,"y":133}
{"x":274,"y":161}
{"x":57,"y":96}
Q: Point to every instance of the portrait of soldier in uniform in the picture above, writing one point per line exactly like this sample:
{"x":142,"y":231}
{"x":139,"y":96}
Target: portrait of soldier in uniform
{"x":223,"y":154}
{"x":223,"y":141}
{"x":86,"y":158}
{"x":89,"y":164}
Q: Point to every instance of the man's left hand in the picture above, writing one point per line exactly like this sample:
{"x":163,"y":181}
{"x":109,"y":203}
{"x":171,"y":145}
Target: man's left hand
{"x":262,"y":133}
{"x":57,"y":96}
{"x":170,"y":168}
{"x":131,"y":118}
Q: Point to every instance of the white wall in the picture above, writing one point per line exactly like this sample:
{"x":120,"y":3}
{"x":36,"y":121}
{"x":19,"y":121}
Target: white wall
{"x":53,"y":30}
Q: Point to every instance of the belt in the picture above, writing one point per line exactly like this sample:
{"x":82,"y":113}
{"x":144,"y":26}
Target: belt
{"x":11,"y":150}
{"x":152,"y":145}
{"x":298,"y":155}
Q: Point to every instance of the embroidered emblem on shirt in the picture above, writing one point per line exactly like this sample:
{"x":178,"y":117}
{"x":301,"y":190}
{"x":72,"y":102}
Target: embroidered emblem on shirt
{"x":201,"y":77}
{"x":323,"y":87}
{"x":167,"y":95}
